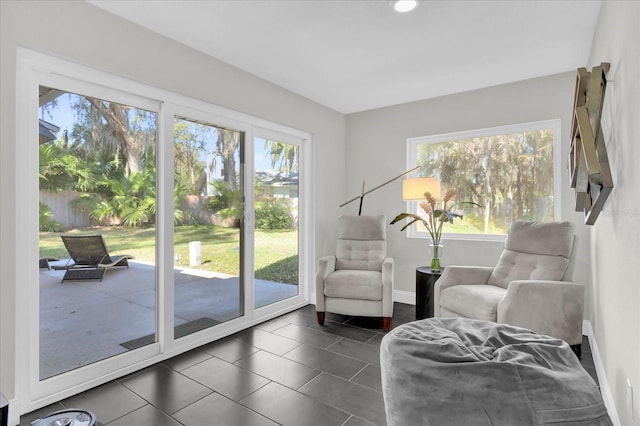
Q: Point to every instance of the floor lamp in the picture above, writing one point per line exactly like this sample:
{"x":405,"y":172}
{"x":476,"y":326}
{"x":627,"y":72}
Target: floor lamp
{"x":361,"y":196}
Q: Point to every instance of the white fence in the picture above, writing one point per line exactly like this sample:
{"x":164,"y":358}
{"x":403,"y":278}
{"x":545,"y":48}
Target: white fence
{"x":58,"y":203}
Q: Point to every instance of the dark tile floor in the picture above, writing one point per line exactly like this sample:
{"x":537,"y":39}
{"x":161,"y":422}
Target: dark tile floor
{"x":287,"y":371}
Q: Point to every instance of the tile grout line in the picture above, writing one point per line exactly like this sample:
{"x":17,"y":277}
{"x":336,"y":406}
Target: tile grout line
{"x":341,"y":409}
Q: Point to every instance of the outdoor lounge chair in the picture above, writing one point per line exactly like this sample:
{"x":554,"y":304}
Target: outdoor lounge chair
{"x":44,"y":262}
{"x":90,"y":258}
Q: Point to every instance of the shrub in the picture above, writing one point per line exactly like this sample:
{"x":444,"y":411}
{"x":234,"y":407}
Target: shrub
{"x":47,"y":223}
{"x":273,"y":214}
{"x":226,"y":203}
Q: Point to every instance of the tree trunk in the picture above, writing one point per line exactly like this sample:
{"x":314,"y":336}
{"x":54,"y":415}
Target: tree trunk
{"x":116,"y":117}
{"x":487,"y":215}
{"x":489,"y":192}
{"x":228,"y":141}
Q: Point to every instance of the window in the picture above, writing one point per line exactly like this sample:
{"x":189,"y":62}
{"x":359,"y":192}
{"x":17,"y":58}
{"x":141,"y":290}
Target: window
{"x":510,"y":172}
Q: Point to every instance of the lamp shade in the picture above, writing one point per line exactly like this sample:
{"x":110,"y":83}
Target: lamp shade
{"x":414,"y":189}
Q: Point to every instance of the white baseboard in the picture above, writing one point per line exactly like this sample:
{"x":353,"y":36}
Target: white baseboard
{"x":407,"y":297}
{"x":587,"y":330}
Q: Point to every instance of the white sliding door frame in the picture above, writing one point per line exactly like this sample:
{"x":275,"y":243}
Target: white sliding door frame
{"x":34,"y":69}
{"x":305,"y":267}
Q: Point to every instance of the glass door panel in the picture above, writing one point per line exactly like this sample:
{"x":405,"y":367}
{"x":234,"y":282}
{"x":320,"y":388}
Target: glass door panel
{"x":97,"y":241}
{"x":276,"y":194}
{"x":207,"y":232}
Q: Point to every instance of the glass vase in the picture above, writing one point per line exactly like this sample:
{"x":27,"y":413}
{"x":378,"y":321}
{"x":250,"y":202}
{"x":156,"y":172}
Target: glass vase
{"x":436,"y":250}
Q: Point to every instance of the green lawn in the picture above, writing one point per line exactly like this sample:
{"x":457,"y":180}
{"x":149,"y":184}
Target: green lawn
{"x":276,"y":252}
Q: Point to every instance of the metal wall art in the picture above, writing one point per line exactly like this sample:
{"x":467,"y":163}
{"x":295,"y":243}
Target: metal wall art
{"x":588,"y":162}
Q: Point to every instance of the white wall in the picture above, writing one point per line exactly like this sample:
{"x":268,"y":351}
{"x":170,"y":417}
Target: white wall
{"x":376,"y":151}
{"x":607,"y":253}
{"x":79,"y":32}
{"x":615,"y":251}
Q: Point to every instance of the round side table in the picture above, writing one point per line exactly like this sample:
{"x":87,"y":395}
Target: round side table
{"x":425,"y":280}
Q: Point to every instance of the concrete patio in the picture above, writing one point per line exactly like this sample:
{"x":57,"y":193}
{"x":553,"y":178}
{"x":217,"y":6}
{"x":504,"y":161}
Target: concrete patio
{"x":85,"y":321}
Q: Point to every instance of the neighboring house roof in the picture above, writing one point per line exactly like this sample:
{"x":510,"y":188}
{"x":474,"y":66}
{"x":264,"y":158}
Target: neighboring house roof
{"x":48,"y":132}
{"x":277,"y":178}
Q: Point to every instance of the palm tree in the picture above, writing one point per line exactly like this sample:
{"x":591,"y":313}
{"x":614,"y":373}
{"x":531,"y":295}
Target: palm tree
{"x":285,"y":156}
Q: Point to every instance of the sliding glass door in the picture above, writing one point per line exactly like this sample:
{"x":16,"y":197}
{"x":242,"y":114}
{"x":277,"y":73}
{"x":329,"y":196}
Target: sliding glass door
{"x":276,"y":210}
{"x":159,"y":223}
{"x":97,"y":229}
{"x":208,"y":231}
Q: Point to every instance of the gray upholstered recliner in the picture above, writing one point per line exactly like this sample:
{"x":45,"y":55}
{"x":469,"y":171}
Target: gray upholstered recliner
{"x":527,"y":288}
{"x":358,"y":280}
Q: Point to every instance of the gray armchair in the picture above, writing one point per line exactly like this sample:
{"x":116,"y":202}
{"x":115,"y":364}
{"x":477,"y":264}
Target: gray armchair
{"x":530,"y":286}
{"x":358,"y":280}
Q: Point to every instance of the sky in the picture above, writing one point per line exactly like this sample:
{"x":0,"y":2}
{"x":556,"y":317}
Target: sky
{"x":63,"y":116}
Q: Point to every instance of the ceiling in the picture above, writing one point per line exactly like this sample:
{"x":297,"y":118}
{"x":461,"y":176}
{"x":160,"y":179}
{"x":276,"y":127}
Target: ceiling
{"x":358,"y":55}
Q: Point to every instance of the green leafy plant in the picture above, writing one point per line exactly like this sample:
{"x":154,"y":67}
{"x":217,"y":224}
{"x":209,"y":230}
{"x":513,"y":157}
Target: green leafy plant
{"x":85,"y":203}
{"x":47,"y":223}
{"x":273,"y":213}
{"x":63,"y":169}
{"x":129,"y":198}
{"x":226,"y":203}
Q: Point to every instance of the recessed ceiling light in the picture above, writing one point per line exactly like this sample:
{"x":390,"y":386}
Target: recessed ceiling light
{"x":404,"y":5}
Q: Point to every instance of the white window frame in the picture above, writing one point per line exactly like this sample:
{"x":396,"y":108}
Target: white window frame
{"x":34,"y":69}
{"x":412,"y":160}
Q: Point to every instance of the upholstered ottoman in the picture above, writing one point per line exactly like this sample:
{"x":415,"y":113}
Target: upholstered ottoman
{"x":455,"y":371}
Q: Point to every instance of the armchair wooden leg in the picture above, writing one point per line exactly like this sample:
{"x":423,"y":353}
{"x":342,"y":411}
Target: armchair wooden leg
{"x":386,"y":324}
{"x":320,"y":318}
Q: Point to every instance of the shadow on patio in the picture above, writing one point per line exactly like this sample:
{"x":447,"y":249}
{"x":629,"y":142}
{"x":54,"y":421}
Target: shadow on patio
{"x":86,"y":321}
